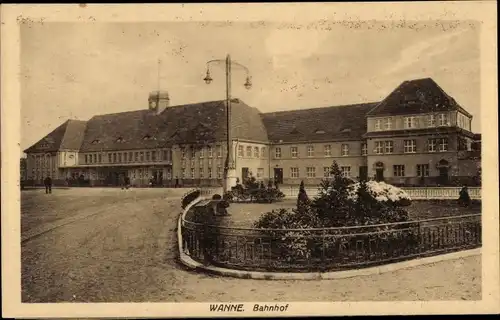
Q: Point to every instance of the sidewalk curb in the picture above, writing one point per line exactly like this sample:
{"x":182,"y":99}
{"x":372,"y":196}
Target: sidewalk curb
{"x":194,"y":265}
{"x":259,"y":275}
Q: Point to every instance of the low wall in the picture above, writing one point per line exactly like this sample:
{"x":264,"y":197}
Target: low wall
{"x":416,"y":193}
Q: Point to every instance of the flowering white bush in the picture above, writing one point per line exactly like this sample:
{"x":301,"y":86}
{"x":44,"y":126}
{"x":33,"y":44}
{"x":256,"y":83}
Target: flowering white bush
{"x":381,"y":191}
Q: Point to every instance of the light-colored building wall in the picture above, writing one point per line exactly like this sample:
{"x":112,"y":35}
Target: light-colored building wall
{"x":256,"y":161}
{"x":321,"y":159}
{"x":421,"y":121}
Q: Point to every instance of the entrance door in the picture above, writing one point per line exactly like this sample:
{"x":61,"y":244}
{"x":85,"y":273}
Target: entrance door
{"x":363,"y":173}
{"x":244,"y":174}
{"x":278,"y":175}
{"x":379,"y":174}
{"x":443,"y":175}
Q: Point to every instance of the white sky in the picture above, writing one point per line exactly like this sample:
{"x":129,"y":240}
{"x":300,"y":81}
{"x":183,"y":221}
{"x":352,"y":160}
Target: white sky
{"x":77,"y":70}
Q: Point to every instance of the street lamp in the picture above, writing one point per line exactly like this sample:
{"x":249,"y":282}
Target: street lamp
{"x":229,"y":168}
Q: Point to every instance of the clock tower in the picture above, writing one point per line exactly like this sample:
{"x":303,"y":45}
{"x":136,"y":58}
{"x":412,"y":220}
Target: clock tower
{"x":158,"y":101}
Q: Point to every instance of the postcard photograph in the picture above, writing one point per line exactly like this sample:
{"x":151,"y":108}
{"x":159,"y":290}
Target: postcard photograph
{"x":245,"y":163}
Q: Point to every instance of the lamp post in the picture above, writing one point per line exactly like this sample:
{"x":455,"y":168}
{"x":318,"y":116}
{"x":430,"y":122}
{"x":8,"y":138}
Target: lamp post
{"x":229,"y":167}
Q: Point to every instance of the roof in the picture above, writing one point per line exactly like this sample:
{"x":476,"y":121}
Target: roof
{"x":416,"y":96}
{"x":68,"y":136}
{"x":183,"y":124}
{"x":318,"y":124}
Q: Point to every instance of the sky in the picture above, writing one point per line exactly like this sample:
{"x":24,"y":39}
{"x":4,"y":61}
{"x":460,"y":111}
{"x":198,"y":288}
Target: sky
{"x":78,"y":70}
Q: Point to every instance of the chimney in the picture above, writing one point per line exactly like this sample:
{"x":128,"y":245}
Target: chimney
{"x":158,"y":101}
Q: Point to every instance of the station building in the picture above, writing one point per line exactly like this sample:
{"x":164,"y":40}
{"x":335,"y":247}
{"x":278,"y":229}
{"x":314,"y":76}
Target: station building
{"x":417,"y":135}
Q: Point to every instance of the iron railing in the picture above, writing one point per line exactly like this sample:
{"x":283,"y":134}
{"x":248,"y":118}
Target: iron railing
{"x":328,"y":249}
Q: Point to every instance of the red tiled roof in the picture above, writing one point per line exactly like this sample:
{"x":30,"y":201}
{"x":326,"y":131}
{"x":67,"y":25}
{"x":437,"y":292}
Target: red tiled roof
{"x":318,"y":124}
{"x":416,"y":96}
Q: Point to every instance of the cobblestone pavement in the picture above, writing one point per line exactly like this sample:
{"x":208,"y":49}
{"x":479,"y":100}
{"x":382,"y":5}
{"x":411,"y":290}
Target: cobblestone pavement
{"x":123,"y":249}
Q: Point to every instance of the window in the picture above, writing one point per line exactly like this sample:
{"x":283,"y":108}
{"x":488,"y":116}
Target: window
{"x":443,"y":144}
{"x":183,"y":173}
{"x":183,"y":153}
{"x":125,"y":155}
{"x":95,"y":157}
{"x":294,"y":152}
{"x":410,"y":146}
{"x":327,"y":150}
{"x":249,"y":152}
{"x":263,"y":152}
{"x":210,"y":151}
{"x":378,"y":124}
{"x":153,"y":155}
{"x":388,"y":124}
{"x":202,"y":153}
{"x":443,"y":119}
{"x":431,"y":145}
{"x":210,"y":175}
{"x":192,"y":173}
{"x":422,"y":170}
{"x":90,"y":158}
{"x":192,"y":163}
{"x":219,"y":151}
{"x":260,"y":172}
{"x":183,"y":163}
{"x":240,"y":151}
{"x":399,"y":170}
{"x":364,"y":149}
{"x":256,"y":152}
{"x":389,"y":146}
{"x":311,"y":172}
{"x":310,"y":151}
{"x":141,"y":156}
{"x":166,"y":155}
{"x":346,"y":171}
{"x":86,"y":159}
{"x":202,"y":173}
{"x":379,"y":147}
{"x":431,"y":121}
{"x":219,"y":173}
{"x":277,"y":153}
{"x":294,"y":172}
{"x":327,"y":172}
{"x":410,"y":122}
{"x":345,"y":150}
{"x":136,"y":156}
{"x":109,"y":158}
{"x":120,"y":157}
{"x":114,"y":157}
{"x":147,"y":155}
{"x":100,"y":158}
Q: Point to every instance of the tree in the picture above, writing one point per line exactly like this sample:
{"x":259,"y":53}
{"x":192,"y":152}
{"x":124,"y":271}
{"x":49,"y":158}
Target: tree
{"x":303,"y":202}
{"x":332,"y":204}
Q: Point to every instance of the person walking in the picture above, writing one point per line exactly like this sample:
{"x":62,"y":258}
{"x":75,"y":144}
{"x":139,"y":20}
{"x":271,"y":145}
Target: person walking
{"x":48,"y":185}
{"x":177,"y":182}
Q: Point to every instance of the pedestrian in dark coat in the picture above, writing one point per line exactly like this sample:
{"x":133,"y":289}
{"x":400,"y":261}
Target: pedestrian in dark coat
{"x":464,"y":198}
{"x":48,"y":185}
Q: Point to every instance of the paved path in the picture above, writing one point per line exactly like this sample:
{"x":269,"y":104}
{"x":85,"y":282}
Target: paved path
{"x":126,"y":252}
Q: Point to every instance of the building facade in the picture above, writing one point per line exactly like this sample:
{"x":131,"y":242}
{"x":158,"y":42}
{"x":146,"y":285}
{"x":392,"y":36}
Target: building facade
{"x":417,"y":135}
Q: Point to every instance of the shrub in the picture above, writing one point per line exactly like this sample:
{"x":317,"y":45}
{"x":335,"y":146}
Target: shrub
{"x":254,"y":191}
{"x":340,"y":202}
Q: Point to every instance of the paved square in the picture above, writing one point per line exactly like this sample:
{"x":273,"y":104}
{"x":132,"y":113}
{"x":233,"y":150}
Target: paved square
{"x":112,"y":245}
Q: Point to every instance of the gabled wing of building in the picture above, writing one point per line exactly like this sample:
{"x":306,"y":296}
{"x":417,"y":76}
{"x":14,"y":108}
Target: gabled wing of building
{"x":318,"y":124}
{"x":68,"y":136}
{"x":414,"y":97}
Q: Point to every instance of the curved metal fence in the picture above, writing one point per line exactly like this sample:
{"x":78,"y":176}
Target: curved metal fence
{"x":328,"y":249}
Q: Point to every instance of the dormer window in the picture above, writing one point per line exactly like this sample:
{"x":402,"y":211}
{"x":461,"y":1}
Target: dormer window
{"x":295,"y":131}
{"x":320,"y":131}
{"x":120,"y":139}
{"x":148,"y":137}
{"x":96,"y":141}
{"x":346,"y":130}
